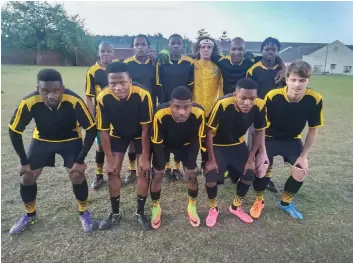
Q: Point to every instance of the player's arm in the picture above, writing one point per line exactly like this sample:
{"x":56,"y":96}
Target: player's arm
{"x":215,"y":58}
{"x":211,"y":127}
{"x":87,"y":122}
{"x":159,"y":86}
{"x":145,"y":121}
{"x":157,"y":141}
{"x":260,"y":125}
{"x":90,"y":92}
{"x":191,"y":78}
{"x":20,"y":119}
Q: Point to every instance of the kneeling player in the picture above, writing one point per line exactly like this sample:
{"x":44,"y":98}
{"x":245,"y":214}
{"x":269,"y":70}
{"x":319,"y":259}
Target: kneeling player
{"x":178,"y":127}
{"x":125,"y":110}
{"x":288,"y":110}
{"x":59,"y":115}
{"x":229,"y":120}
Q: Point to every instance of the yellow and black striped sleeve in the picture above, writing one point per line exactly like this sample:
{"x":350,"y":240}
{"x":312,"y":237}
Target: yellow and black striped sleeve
{"x":260,"y":122}
{"x":157,"y":134}
{"x":90,"y":89}
{"x":213,"y":118}
{"x":158,"y":74}
{"x":83,"y":115}
{"x":21,"y":118}
{"x":316,"y":116}
{"x":146,"y":111}
{"x":103,"y":122}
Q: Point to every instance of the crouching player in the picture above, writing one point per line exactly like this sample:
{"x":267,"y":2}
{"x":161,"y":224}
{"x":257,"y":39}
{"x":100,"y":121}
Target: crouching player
{"x":178,"y":127}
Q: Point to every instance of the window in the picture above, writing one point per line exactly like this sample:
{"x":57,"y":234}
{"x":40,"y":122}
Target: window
{"x":347,"y":69}
{"x":335,"y":49}
{"x":333,"y":66}
{"x":317,"y":68}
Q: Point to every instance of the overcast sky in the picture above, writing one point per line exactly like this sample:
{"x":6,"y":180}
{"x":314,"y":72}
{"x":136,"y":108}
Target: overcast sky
{"x":254,"y":21}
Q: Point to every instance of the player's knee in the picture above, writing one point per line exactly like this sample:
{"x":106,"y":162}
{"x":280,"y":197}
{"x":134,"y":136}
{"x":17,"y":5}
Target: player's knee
{"x":113,"y":176}
{"x":28,"y":179}
{"x":211,"y":184}
{"x":76,"y":177}
{"x":158,"y":176}
{"x":248,"y":177}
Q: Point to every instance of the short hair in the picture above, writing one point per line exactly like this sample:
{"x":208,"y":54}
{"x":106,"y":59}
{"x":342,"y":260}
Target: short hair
{"x":117,"y":67}
{"x":176,"y":36}
{"x":49,"y":74}
{"x":181,"y":93}
{"x":105,"y":43}
{"x":301,"y":68}
{"x":247,"y":83}
{"x":238,"y":39}
{"x":272,"y":41}
{"x":140,"y":36}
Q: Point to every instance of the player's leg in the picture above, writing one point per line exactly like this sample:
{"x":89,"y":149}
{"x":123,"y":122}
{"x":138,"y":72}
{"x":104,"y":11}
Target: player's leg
{"x":291,"y":151}
{"x":176,"y":168}
{"x":98,"y":181}
{"x":168,"y":170}
{"x":131,"y":175}
{"x":142,"y":187}
{"x":246,"y":179}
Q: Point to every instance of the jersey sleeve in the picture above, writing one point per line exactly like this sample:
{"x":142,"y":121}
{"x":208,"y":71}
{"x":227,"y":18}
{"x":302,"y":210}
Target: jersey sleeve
{"x":316,"y":116}
{"x":146,"y":109}
{"x":191,"y":77}
{"x":212,"y":121}
{"x":90,"y":86}
{"x":103,"y":122}
{"x":83,"y":115}
{"x":21,"y":118}
{"x":260,"y":121}
{"x":158,"y":74}
{"x":157,"y":131}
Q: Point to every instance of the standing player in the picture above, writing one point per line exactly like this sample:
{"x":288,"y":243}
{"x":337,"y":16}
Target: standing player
{"x":264,"y":73}
{"x":177,"y":71}
{"x":178,"y":127}
{"x":288,"y":110}
{"x":229,"y":120}
{"x":128,"y":109}
{"x":143,"y":71}
{"x":96,"y":81}
{"x":59,"y":115}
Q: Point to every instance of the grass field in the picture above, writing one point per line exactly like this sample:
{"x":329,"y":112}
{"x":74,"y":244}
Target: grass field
{"x":326,"y":201}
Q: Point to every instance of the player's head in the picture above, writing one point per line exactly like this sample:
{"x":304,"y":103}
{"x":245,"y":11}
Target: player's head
{"x":181,"y":103}
{"x":140,"y":44}
{"x":269,"y":48}
{"x":50,"y":87}
{"x":237,"y":49}
{"x":175,"y":44}
{"x":298,"y":77}
{"x":105,"y":52}
{"x":245,"y":94}
{"x":119,"y":79}
{"x":205,"y":47}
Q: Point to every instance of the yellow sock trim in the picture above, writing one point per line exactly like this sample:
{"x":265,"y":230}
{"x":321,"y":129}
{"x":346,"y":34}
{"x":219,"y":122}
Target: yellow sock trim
{"x":30,"y":207}
{"x":192,"y":201}
{"x":99,"y":169}
{"x":156,"y":203}
{"x":82,"y":205}
{"x":176,"y":165}
{"x":167,"y":165}
{"x":260,"y":196}
{"x":269,"y":172}
{"x":238,"y":201}
{"x":132,"y":165}
{"x":213,"y":203}
{"x":287,"y":197}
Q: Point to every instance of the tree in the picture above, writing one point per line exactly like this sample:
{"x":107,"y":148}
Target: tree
{"x":224,"y":36}
{"x":39,"y":25}
{"x":202,"y":33}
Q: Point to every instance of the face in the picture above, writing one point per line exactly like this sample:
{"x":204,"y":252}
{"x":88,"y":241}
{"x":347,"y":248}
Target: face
{"x":175,"y":45}
{"x":120,"y":84}
{"x":52,"y":92}
{"x":181,"y":109}
{"x":270,"y":52}
{"x":206,"y":51}
{"x":245,"y":99}
{"x":237,"y":51}
{"x":296,"y":85}
{"x":106,"y":54}
{"x":140,"y":47}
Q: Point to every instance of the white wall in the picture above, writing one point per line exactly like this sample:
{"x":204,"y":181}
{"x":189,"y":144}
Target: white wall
{"x":337,"y":53}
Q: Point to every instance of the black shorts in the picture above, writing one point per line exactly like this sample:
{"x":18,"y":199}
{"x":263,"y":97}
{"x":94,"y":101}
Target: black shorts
{"x":289,"y":149}
{"x":119,"y":145}
{"x":180,"y":154}
{"x":42,"y":154}
{"x":231,"y":158}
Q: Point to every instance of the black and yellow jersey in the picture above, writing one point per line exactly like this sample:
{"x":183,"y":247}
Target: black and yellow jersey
{"x":124,"y":117}
{"x":264,"y":77}
{"x":288,"y":119}
{"x":96,"y":80}
{"x":173,"y":74}
{"x":229,"y":125}
{"x":53,"y":125}
{"x":174,"y":135}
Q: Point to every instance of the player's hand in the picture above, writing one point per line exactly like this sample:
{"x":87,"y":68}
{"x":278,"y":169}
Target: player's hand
{"x":210,"y":166}
{"x":280,"y":75}
{"x":26,"y":169}
{"x":190,"y":173}
{"x":250,"y":165}
{"x":144,"y":165}
{"x":77,"y":167}
{"x":111,"y":165}
{"x":302,"y":161}
{"x":152,"y":57}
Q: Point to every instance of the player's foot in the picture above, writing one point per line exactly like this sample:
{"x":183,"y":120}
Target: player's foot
{"x":143,"y":220}
{"x":156,"y":216}
{"x":23,"y":223}
{"x":194,"y":219}
{"x":211,"y":219}
{"x":241,"y":215}
{"x":111,"y":220}
{"x":177,"y":175}
{"x":291,"y":210}
{"x":97,"y":183}
{"x":130,"y":177}
{"x":272,"y":187}
{"x":256,"y":209}
{"x":86,"y":221}
{"x":169,"y":175}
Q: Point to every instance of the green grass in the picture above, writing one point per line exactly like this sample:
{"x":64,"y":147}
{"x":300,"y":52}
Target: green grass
{"x":326,"y":201}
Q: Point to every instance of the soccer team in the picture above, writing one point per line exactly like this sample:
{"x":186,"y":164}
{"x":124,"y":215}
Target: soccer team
{"x":153,"y":106}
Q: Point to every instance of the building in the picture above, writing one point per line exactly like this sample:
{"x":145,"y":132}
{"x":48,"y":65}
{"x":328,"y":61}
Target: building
{"x":334,"y":58}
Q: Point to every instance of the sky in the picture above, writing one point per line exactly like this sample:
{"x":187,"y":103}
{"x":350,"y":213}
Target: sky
{"x":315,"y":22}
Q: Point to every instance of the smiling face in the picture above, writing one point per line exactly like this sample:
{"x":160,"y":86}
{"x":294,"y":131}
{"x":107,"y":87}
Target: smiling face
{"x":105,"y":53}
{"x":237,"y":51}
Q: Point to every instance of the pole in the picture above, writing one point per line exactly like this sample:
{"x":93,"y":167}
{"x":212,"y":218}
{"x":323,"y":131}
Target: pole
{"x":326,"y":58}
